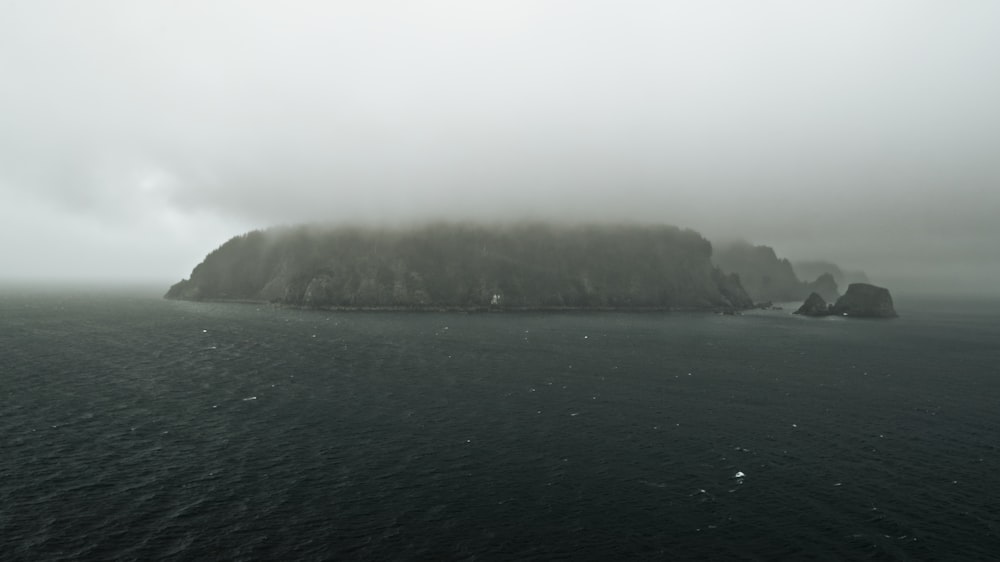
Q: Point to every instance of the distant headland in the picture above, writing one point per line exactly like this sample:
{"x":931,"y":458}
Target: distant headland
{"x":452,"y":266}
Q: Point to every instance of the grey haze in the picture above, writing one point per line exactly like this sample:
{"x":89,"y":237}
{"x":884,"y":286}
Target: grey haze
{"x":137,"y":136}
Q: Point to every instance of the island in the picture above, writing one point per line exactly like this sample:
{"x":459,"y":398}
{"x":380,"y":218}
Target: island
{"x":862,"y":300}
{"x":456,"y":266}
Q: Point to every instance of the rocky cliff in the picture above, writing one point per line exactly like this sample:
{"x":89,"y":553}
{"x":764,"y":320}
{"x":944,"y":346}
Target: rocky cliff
{"x":861,"y":300}
{"x":468,"y":266}
{"x":814,"y":269}
{"x":824,"y":285}
{"x":766,"y":277}
{"x":815,"y":305}
{"x":865,"y":300}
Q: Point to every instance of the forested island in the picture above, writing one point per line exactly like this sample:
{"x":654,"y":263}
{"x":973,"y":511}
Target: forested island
{"x":530,"y":266}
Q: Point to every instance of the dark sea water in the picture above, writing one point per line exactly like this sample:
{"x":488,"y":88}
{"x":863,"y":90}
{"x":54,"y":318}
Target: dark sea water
{"x":137,"y":428}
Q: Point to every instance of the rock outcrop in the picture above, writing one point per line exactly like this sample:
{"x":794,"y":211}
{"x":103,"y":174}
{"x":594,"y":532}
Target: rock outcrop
{"x":862,"y":300}
{"x":766,"y":277}
{"x":825,"y":286}
{"x":865,"y":300}
{"x":814,"y":269}
{"x":815,"y":305}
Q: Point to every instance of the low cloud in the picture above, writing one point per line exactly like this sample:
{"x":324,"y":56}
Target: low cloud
{"x":149,"y":132}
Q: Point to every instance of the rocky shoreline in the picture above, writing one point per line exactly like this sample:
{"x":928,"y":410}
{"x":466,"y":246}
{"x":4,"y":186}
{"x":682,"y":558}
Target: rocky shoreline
{"x":473,"y":309}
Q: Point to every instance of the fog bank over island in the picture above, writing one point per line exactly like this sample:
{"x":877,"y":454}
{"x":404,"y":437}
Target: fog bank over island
{"x":136,"y":137}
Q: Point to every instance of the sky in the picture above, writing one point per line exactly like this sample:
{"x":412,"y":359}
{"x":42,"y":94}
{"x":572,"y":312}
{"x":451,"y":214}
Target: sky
{"x":135,"y":137}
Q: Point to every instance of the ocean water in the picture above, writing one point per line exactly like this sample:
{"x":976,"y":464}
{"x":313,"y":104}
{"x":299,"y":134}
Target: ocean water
{"x":134,"y":428}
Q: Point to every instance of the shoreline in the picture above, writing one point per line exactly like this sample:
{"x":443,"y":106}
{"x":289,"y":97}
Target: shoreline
{"x":478,"y":309}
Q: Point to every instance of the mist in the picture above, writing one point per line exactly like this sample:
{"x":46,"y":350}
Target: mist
{"x":136,"y":137}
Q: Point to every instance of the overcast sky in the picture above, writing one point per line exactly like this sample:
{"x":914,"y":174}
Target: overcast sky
{"x":137,"y":136}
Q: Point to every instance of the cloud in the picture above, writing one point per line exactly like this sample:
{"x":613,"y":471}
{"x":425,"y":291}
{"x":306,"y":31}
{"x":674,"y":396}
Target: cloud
{"x":856,"y":131}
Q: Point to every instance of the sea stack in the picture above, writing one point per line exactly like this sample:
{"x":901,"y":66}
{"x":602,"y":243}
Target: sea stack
{"x":866,"y":301}
{"x":861,"y":300}
{"x":815,"y":305}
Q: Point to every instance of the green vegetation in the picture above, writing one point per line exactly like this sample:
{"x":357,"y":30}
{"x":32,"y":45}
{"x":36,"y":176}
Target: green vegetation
{"x":468,"y":266}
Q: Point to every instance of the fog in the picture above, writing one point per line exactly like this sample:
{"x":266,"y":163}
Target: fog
{"x":137,"y":136}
